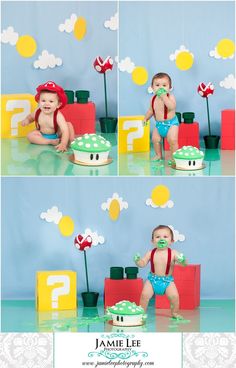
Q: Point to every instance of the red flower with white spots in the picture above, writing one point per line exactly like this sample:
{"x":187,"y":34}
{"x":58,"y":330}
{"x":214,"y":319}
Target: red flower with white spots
{"x":102,"y":66}
{"x":83,"y":242}
{"x":205,"y":90}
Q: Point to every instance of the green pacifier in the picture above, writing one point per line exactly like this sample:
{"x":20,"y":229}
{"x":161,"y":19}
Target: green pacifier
{"x":162,"y":243}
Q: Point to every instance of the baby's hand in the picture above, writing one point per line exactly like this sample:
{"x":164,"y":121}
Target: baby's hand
{"x":25,"y":122}
{"x":160,"y":92}
{"x":145,"y":123}
{"x":137,"y":257}
{"x":61,"y":147}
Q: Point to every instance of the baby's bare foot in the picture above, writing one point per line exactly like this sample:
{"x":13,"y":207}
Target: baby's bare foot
{"x":54,"y":142}
{"x":176,"y":316}
{"x":156,"y":158}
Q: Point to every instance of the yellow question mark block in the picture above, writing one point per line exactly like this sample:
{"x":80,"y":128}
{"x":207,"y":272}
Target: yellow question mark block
{"x":15,"y":108}
{"x":56,"y":290}
{"x":133,"y":135}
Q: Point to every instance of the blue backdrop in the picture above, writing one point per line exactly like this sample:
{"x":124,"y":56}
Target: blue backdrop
{"x":41,"y":19}
{"x":151,"y":31}
{"x":203,"y":211}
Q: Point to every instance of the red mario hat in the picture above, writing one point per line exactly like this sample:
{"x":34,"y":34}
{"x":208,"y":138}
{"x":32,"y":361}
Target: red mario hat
{"x":52,"y":87}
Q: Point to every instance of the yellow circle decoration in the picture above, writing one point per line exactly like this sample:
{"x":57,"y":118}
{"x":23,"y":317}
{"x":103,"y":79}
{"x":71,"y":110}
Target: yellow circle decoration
{"x":66,"y":226}
{"x":160,"y":195}
{"x":225,"y":48}
{"x":184,"y":60}
{"x":80,"y":28}
{"x":114,"y":210}
{"x":140,"y":75}
{"x":26,"y":46}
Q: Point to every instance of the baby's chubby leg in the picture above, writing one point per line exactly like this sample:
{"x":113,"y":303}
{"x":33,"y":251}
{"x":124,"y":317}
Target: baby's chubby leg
{"x":172,"y":138}
{"x":71,"y":132}
{"x":173,"y":296}
{"x":156,"y":140}
{"x":146,"y":295}
{"x":37,"y":138}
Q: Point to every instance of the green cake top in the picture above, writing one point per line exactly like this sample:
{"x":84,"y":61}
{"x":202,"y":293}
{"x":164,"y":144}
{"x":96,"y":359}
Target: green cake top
{"x":188,"y":153}
{"x":91,"y":143}
{"x":126,"y":308}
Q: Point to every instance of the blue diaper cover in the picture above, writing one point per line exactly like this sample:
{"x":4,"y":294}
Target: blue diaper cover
{"x":50,"y":136}
{"x":164,"y":126}
{"x":160,"y":283}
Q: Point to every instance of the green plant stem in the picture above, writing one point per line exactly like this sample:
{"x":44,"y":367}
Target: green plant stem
{"x":105,"y":90}
{"x":208,"y":117}
{"x":86,"y":270}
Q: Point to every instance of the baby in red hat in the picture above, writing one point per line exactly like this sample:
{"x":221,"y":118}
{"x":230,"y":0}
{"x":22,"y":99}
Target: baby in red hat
{"x":51,"y":126}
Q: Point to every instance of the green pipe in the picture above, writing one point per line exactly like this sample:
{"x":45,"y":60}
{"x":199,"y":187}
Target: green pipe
{"x":86,"y":271}
{"x":105,"y":90}
{"x":208,"y":116}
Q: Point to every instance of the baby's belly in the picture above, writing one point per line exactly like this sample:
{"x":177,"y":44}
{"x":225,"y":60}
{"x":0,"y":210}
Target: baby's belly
{"x":160,"y":116}
{"x":47,"y":130}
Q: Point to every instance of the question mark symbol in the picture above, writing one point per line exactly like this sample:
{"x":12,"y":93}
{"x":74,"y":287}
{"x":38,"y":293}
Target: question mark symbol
{"x":133,"y":135}
{"x":61,"y":290}
{"x":16,"y":118}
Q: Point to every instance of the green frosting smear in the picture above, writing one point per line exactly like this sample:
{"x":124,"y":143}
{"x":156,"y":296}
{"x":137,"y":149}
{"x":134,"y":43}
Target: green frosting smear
{"x":188,"y":153}
{"x":125,"y":308}
{"x":91,"y":143}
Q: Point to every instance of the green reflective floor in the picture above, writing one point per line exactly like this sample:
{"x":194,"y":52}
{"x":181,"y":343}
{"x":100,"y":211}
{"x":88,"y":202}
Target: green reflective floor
{"x":19,"y":157}
{"x":218,"y":162}
{"x":211,"y":316}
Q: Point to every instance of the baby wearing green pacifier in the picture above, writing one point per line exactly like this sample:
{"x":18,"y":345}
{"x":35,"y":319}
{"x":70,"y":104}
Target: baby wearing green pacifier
{"x":160,"y":280}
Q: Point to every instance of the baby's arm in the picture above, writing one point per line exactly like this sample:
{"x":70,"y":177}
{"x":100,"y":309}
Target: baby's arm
{"x":180,"y":258}
{"x":62,"y":146}
{"x":169,"y":101}
{"x":29,"y":119}
{"x":142,"y":262}
{"x":148,"y":115}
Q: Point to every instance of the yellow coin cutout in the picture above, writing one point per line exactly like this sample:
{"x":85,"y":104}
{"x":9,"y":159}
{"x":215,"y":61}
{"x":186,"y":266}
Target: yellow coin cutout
{"x":184,"y":60}
{"x":225,"y":48}
{"x":80,"y":28}
{"x":66,"y":226}
{"x":160,"y":195}
{"x":114,"y":210}
{"x":26,"y":46}
{"x":140,"y":75}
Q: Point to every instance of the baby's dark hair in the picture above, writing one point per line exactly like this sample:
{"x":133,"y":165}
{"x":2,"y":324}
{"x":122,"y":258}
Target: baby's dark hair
{"x":163,"y":227}
{"x":162,"y":75}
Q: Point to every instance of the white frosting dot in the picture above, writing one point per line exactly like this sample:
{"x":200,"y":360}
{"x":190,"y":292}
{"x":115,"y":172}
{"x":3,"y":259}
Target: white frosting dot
{"x":94,"y":139}
{"x":86,"y":136}
{"x":181,"y":153}
{"x":95,"y":145}
{"x":121,"y":308}
{"x":79,"y":139}
{"x":88,"y":145}
{"x":80,"y":144}
{"x":103,"y":142}
{"x":185,"y":154}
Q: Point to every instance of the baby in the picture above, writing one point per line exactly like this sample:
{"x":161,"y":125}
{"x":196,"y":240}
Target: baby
{"x":160,"y":280}
{"x":162,"y":107}
{"x":51,"y":126}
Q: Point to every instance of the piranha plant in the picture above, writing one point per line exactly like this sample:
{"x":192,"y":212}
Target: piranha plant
{"x":205,"y":90}
{"x":108,"y":124}
{"x":83,"y":242}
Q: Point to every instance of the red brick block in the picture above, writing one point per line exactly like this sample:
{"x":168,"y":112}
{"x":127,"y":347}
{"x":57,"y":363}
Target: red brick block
{"x":228,"y":129}
{"x":81,"y":116}
{"x":188,"y":136}
{"x":228,"y":143}
{"x":126,"y":289}
{"x":187,"y":281}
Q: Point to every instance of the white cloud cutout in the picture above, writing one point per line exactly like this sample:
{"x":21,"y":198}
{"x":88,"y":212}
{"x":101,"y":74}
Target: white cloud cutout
{"x":126,"y":65}
{"x":106,"y":205}
{"x":112,"y":23}
{"x":214,"y":54}
{"x":52,"y":215}
{"x":177,"y":235}
{"x":9,"y":36}
{"x":47,"y":60}
{"x":168,"y":204}
{"x":68,"y":25}
{"x":182,"y":48}
{"x":96,"y":239}
{"x":229,"y":82}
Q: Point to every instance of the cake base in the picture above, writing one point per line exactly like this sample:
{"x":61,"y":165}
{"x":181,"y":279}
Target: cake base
{"x":173,"y":166}
{"x":72,"y":159}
